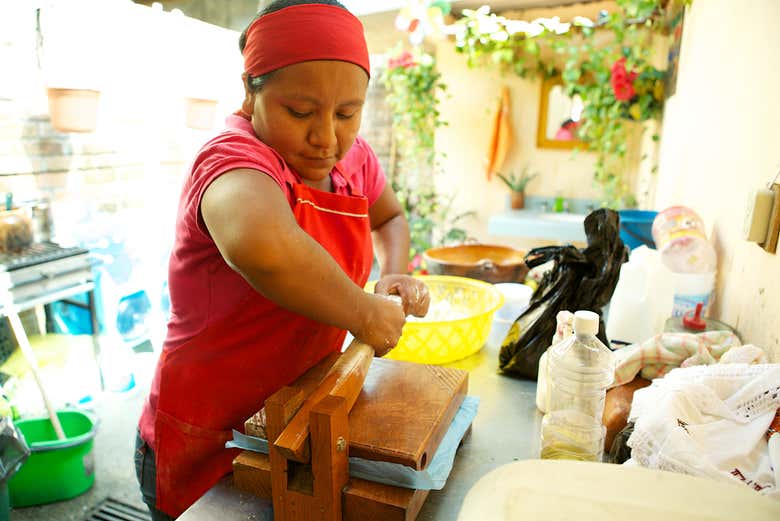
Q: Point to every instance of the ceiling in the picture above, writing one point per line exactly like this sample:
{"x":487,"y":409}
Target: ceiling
{"x":235,"y":14}
{"x":363,"y":7}
{"x":500,"y":5}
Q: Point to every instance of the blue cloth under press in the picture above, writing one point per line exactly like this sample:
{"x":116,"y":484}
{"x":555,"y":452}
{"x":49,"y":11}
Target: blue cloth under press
{"x":432,"y":478}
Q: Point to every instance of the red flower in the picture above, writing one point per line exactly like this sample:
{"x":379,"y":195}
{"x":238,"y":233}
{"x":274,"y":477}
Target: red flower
{"x":405,"y":60}
{"x":622,"y":81}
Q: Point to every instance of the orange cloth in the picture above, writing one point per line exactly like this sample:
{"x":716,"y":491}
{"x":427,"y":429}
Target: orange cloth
{"x":501,"y":136}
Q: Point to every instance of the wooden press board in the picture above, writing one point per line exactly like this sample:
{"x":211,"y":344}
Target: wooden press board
{"x":402,"y":413}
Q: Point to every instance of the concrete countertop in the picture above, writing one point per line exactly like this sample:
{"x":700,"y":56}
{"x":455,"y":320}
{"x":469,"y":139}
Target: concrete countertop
{"x":506,"y":429}
{"x":536,"y":224}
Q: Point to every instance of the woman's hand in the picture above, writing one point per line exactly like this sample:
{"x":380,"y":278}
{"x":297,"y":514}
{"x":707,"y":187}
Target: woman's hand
{"x":383,"y":320}
{"x":413,"y":292}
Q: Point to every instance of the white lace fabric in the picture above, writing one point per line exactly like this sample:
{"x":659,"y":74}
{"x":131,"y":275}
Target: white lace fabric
{"x":709,"y":421}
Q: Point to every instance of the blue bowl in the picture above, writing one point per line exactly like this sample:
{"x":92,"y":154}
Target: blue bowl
{"x":636,"y":227}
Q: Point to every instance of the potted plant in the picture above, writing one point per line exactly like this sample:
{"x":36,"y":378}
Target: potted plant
{"x":517,"y":184}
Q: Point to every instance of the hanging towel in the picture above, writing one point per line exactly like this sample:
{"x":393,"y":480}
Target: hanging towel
{"x":501,"y":136}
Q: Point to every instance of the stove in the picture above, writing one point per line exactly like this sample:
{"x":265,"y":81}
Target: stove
{"x":43,"y":269}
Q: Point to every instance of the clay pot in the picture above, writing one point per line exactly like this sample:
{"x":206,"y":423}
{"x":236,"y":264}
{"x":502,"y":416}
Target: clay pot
{"x":16,"y":231}
{"x":201,"y":113}
{"x":73,"y":110}
{"x":517,"y":200}
{"x":486,"y":262}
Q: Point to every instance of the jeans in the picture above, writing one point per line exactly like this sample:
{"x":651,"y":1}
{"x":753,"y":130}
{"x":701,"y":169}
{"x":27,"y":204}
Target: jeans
{"x":146,"y":472}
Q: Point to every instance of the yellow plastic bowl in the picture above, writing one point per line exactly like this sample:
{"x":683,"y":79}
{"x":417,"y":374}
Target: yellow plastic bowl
{"x":439,"y":340}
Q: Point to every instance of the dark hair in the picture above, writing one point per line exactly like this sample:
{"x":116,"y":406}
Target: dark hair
{"x":256,"y":83}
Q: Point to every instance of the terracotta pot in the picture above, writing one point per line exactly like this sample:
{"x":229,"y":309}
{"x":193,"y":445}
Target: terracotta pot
{"x":517,"y":200}
{"x":73,"y":110}
{"x":486,"y":262}
{"x":201,"y":113}
{"x":16,"y":231}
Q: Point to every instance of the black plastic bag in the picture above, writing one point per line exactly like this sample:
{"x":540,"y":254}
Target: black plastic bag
{"x":620,"y":452}
{"x":580,"y":279}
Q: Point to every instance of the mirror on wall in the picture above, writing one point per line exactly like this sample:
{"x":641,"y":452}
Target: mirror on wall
{"x":559,"y":116}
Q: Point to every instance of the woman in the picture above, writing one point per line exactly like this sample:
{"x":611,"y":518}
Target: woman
{"x":273,"y":246}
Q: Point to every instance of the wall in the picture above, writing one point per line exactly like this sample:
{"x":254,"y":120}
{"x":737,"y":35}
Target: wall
{"x":381,"y":34}
{"x":121,"y":182}
{"x":720,"y":141}
{"x":468,"y":108}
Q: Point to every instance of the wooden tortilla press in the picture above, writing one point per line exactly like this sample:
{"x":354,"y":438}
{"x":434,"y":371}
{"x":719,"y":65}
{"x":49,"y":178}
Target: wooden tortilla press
{"x":349,"y":405}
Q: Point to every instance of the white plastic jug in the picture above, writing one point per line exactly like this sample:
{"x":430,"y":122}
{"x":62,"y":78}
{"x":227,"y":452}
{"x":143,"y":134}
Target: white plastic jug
{"x":516,"y":300}
{"x":691,"y":289}
{"x":643,"y":298}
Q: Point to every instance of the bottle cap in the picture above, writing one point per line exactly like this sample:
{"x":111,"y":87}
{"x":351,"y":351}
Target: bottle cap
{"x":586,"y":323}
{"x":695,"y":322}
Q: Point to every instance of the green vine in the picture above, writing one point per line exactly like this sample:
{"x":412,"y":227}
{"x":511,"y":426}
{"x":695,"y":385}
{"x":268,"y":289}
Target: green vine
{"x":414,"y":86}
{"x":612,"y":76}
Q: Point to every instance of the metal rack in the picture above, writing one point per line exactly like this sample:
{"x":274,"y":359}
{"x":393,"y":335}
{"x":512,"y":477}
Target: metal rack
{"x":47,"y":272}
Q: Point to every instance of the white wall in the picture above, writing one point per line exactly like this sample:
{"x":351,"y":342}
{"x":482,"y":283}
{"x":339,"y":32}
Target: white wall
{"x":468,"y":107}
{"x":721,"y":139}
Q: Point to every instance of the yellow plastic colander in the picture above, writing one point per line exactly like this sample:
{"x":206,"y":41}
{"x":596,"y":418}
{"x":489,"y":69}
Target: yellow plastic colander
{"x":463,"y":314}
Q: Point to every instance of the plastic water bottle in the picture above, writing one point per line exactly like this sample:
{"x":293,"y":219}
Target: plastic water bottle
{"x":564,"y":322}
{"x":580,"y":370}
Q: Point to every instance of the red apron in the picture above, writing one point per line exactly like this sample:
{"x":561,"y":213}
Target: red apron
{"x":212,"y":383}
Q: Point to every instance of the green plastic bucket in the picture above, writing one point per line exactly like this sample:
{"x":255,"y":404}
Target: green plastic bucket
{"x":5,"y":504}
{"x":56,"y":469}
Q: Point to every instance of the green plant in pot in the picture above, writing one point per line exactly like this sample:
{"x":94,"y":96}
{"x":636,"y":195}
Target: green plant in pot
{"x":517,"y":184}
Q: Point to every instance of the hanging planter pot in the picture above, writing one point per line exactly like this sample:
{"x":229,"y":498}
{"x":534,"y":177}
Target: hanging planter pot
{"x":200,"y":113}
{"x":73,"y":110}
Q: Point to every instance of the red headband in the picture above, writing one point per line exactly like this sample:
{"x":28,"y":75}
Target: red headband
{"x":302,"y":33}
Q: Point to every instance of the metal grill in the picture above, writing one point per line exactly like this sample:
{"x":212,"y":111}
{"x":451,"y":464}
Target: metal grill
{"x":111,"y":509}
{"x":43,"y":269}
{"x":36,"y":254}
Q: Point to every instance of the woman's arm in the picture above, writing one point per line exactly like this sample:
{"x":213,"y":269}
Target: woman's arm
{"x":391,"y":240}
{"x":254,"y":229}
{"x":390,"y":233}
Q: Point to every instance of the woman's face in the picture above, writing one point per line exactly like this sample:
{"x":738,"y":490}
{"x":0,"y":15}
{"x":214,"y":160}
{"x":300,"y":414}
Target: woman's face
{"x":310,"y":114}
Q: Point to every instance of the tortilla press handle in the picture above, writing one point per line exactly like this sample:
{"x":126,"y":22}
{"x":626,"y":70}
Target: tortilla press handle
{"x":345,"y":379}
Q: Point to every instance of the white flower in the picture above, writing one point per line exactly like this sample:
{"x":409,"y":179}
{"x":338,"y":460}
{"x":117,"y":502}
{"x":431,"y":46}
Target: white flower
{"x":487,"y":25}
{"x":516,"y":26}
{"x":500,"y":36}
{"x":534,"y":29}
{"x":581,"y":21}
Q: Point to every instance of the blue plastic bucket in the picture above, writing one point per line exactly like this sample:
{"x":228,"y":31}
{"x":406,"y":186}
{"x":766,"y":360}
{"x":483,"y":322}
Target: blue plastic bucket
{"x":636,"y":227}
